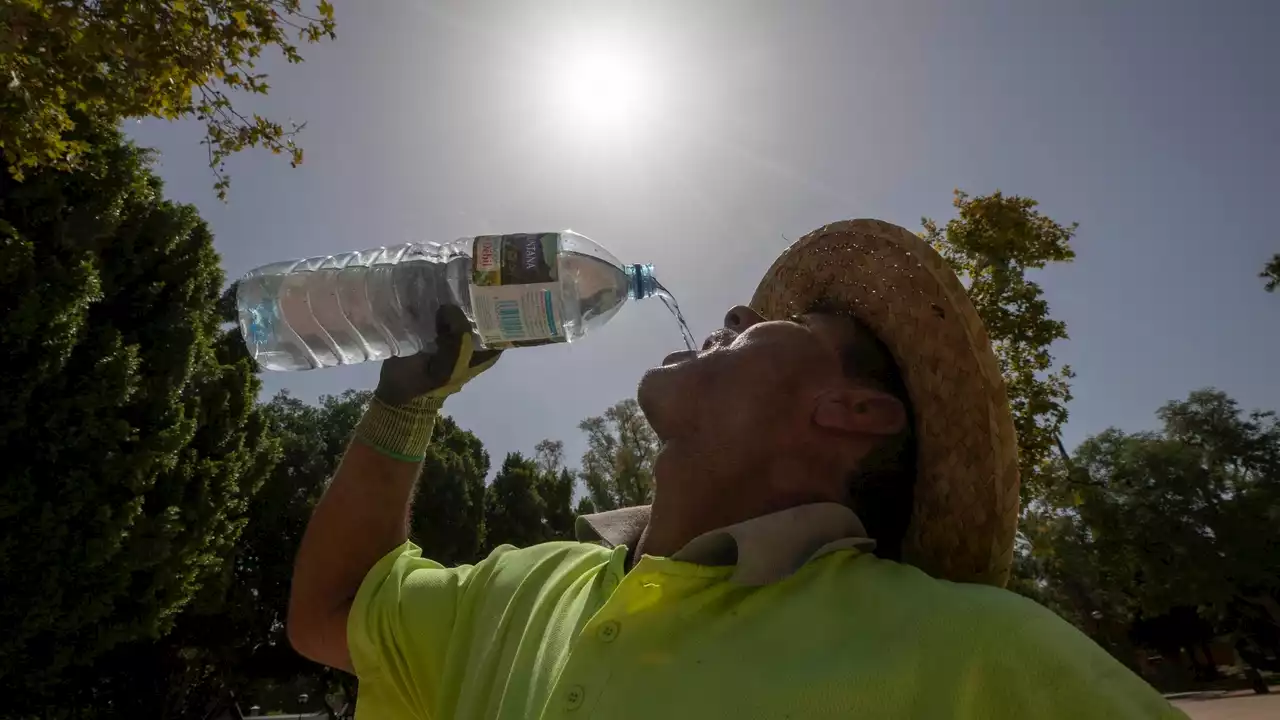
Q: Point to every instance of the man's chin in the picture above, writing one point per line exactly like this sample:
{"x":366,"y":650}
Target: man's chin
{"x":676,"y":358}
{"x":660,"y":397}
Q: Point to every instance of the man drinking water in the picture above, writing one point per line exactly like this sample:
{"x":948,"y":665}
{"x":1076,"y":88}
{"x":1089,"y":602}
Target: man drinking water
{"x":834,"y":511}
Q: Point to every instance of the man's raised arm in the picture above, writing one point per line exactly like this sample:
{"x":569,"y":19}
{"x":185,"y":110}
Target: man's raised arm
{"x":363,"y":514}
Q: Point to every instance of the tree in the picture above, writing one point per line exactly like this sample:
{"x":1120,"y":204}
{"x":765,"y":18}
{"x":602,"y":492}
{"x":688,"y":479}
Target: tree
{"x":514,"y":509}
{"x":1236,"y":459}
{"x":448,"y":517}
{"x":229,"y":642}
{"x":1191,"y":512}
{"x":242,"y":617}
{"x":132,"y":449}
{"x":556,"y":490}
{"x":67,"y":62}
{"x":992,"y":244}
{"x":529,"y":501}
{"x":617,"y":467}
{"x":1170,"y":536}
{"x":556,"y":486}
{"x":549,"y":455}
{"x":1271,"y":273}
{"x":585,"y":506}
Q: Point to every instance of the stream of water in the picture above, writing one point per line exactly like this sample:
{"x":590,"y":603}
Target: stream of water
{"x":670,"y":301}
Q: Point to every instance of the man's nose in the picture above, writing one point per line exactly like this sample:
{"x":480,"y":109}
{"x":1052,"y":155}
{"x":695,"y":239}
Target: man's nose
{"x":741,"y":317}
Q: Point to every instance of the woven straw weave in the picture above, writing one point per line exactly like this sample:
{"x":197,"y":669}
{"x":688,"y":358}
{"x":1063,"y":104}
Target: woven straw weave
{"x":966,"y":498}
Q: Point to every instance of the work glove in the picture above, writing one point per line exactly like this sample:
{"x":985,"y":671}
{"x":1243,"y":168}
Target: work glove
{"x":412,"y":389}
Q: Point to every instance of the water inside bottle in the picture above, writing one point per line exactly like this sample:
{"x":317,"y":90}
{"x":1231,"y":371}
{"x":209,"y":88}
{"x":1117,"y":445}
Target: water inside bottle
{"x":670,"y":301}
{"x":375,"y":304}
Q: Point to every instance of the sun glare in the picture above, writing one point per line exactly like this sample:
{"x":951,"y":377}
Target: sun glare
{"x":603,"y":89}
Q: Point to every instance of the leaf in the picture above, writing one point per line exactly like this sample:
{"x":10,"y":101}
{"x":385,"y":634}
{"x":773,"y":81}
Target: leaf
{"x":122,"y":61}
{"x":1271,"y":273}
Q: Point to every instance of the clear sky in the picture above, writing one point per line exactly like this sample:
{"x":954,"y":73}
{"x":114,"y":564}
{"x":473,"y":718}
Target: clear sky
{"x":719,"y":128}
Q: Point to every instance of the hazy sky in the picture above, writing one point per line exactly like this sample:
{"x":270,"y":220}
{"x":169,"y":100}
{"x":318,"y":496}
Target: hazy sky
{"x":722,"y":127}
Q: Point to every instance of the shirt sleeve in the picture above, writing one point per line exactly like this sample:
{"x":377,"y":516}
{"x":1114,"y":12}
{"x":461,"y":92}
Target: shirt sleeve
{"x":402,"y":628}
{"x":1046,"y":668}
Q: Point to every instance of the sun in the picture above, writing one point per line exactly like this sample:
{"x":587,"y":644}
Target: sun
{"x":602,"y":89}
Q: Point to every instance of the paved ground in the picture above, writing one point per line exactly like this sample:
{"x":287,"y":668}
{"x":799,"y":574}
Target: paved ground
{"x":1233,"y":706}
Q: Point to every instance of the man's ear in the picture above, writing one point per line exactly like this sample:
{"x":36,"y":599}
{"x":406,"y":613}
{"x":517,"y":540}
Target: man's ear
{"x":862,"y":411}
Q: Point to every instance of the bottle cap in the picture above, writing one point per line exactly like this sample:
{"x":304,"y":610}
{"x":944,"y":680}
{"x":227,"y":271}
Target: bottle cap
{"x":642,"y":283}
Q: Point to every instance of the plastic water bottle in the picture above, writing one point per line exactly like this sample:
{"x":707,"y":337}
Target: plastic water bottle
{"x":517,"y":290}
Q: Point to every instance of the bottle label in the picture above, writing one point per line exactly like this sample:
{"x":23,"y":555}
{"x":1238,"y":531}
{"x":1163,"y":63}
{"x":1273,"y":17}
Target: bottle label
{"x":515,"y":289}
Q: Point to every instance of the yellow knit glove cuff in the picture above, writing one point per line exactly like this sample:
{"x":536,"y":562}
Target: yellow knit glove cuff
{"x":401,"y":431}
{"x":404,"y":431}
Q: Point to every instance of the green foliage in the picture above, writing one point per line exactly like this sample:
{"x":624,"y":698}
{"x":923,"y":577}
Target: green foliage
{"x":528,"y":501}
{"x":61,"y":60}
{"x":132,"y":447}
{"x":992,"y":244}
{"x":1153,"y":526}
{"x":617,"y":467}
{"x":231,"y":638}
{"x":513,"y":507}
{"x":557,"y":485}
{"x":556,"y":490}
{"x":549,"y":456}
{"x":1271,"y":273}
{"x":312,"y":440}
{"x":448,"y":518}
{"x":1209,"y":490}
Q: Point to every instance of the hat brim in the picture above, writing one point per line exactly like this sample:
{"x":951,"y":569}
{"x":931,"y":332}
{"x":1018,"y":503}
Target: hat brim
{"x":966,"y":496}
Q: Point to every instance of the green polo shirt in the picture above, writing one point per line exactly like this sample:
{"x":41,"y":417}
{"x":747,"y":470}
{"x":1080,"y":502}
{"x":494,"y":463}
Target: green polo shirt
{"x":785,"y":616}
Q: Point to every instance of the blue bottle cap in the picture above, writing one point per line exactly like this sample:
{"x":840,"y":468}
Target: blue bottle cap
{"x":642,"y":283}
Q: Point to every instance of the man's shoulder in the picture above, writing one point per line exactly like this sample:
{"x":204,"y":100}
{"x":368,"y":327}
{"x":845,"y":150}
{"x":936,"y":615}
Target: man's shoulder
{"x":1008,"y":615}
{"x":504,"y":566}
{"x":984,"y":602}
{"x":992,"y":622}
{"x":979,"y":606}
{"x":1014,"y":638}
{"x":555,"y":549}
{"x":547,"y":560}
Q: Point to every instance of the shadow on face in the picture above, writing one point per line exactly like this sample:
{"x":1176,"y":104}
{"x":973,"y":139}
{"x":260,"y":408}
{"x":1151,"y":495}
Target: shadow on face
{"x":773,"y":413}
{"x":753,"y":385}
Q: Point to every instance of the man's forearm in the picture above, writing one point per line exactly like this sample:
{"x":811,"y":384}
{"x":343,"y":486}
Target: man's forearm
{"x":364,"y":512}
{"x":362,"y":516}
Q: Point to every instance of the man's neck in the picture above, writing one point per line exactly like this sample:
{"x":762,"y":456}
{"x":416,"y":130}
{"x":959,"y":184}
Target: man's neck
{"x":687,"y":504}
{"x":672,"y":525}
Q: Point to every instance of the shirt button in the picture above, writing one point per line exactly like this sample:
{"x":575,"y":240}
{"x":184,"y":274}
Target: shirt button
{"x":609,"y":631}
{"x":574,"y":696}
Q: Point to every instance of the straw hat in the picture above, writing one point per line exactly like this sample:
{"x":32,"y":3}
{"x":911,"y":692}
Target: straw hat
{"x":966,"y":496}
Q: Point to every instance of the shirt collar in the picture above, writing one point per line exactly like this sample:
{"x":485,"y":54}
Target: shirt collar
{"x":763,"y":550}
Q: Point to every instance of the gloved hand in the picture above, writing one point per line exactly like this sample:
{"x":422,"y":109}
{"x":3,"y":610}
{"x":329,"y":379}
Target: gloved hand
{"x":440,"y":373}
{"x":412,"y":389}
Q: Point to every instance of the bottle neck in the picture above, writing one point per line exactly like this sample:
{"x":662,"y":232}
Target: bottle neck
{"x":640,"y":281}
